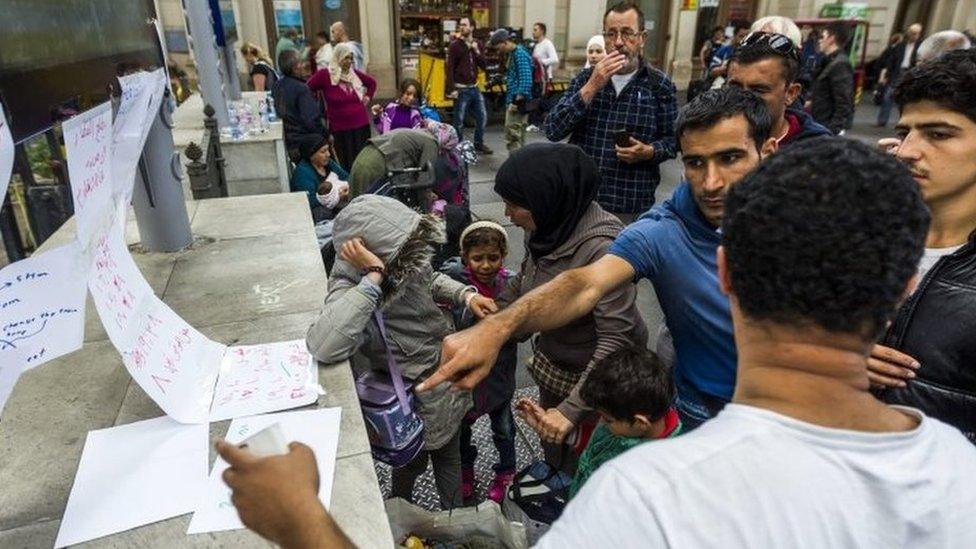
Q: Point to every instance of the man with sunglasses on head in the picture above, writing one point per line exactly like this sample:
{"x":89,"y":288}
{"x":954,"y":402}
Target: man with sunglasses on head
{"x":621,"y":112}
{"x":768,"y":64}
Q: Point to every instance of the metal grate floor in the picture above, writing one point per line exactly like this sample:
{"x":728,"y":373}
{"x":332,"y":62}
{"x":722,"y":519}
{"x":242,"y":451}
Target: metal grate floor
{"x":424,"y":492}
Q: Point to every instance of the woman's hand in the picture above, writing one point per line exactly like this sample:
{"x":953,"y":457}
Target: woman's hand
{"x":355,"y":253}
{"x":376,"y":110}
{"x":551,"y":425}
{"x":481,"y":306}
{"x":366,"y":100}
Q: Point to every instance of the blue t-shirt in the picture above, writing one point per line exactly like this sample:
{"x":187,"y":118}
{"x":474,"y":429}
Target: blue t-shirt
{"x":674,"y":247}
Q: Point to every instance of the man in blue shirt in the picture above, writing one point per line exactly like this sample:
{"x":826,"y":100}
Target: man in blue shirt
{"x":723,"y":136}
{"x":518,"y":85}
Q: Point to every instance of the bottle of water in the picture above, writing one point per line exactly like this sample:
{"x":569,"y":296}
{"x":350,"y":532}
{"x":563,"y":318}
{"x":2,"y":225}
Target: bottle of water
{"x":235,"y":121}
{"x":263,"y":114}
{"x":272,"y":115}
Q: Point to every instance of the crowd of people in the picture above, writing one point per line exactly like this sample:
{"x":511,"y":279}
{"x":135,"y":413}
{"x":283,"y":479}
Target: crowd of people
{"x":813,"y":384}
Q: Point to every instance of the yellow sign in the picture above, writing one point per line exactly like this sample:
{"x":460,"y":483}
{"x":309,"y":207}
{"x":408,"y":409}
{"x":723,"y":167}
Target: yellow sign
{"x":480,"y":16}
{"x":689,"y":4}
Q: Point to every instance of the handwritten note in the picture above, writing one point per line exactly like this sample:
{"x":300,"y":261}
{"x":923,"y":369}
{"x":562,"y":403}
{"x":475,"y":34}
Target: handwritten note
{"x":172,"y":362}
{"x":140,"y":97}
{"x":118,"y":288}
{"x":88,"y":140}
{"x":132,"y":475}
{"x":6,"y":155}
{"x":319,"y":429}
{"x":256,"y":379}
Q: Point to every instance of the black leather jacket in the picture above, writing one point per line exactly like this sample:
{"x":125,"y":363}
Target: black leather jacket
{"x":937,"y":326}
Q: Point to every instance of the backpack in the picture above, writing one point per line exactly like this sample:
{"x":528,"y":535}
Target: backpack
{"x":541,"y":86}
{"x":396,"y":432}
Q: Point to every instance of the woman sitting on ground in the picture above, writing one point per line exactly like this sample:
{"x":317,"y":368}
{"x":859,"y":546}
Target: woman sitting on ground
{"x":322,"y":178}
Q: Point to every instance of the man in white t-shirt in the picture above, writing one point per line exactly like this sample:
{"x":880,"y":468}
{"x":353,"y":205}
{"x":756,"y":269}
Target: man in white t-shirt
{"x":805,"y":456}
{"x":544,"y":49}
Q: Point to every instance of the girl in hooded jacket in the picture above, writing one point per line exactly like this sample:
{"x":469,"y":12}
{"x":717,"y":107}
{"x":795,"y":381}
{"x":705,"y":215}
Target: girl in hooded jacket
{"x":384,"y":251}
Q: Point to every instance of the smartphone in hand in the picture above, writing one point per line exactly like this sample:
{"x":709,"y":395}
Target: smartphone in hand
{"x":622,"y":138}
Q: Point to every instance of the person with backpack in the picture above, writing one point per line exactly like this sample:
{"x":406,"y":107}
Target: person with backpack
{"x":383,"y":302}
{"x":518,"y":86}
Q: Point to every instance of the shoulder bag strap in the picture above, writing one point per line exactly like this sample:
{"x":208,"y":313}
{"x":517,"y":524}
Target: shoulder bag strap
{"x":391,"y":364}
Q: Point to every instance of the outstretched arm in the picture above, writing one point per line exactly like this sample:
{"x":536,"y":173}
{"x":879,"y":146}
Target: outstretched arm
{"x":467,"y":356}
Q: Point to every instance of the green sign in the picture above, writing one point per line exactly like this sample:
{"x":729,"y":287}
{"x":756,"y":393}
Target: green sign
{"x":845,"y":11}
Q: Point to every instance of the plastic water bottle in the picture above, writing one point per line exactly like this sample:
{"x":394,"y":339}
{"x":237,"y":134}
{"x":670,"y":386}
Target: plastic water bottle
{"x":235,"y":122}
{"x":272,"y":115}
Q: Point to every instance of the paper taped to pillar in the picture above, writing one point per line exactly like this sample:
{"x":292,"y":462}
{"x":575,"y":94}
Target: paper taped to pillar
{"x":42,"y":311}
{"x":139,"y":101}
{"x":88,"y":140}
{"x":6,"y":155}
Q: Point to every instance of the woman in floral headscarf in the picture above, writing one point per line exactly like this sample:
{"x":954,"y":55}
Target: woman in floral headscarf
{"x":347,"y":94}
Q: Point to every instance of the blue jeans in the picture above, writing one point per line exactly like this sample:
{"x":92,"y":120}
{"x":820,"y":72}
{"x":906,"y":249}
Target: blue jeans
{"x":470,"y":98}
{"x":695,"y":407}
{"x":886,"y":103}
{"x":502,"y":434}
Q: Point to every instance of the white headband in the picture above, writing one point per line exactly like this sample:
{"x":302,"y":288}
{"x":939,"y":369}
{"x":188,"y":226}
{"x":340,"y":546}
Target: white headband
{"x":483,"y":225}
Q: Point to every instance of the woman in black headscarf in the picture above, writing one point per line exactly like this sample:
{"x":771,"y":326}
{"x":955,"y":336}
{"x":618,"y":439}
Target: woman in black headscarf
{"x":549,"y":191}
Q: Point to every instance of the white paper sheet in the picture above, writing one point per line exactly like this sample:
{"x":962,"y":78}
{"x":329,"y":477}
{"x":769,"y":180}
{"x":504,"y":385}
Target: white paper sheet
{"x":173,"y":363}
{"x":257,"y":379}
{"x":88,"y":141}
{"x":118,"y":288}
{"x":6,"y":155}
{"x":133,"y":475}
{"x":139,"y":103}
{"x":42,"y":311}
{"x":319,"y":429}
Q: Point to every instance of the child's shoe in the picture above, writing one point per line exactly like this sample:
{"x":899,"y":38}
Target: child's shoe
{"x":467,"y":483}
{"x":499,"y":486}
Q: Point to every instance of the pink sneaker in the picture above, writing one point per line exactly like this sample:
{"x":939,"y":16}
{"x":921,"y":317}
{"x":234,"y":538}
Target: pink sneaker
{"x":499,"y":486}
{"x":467,"y":482}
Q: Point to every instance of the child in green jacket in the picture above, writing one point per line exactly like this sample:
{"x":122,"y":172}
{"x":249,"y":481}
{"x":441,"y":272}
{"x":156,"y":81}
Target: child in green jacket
{"x":632,"y":391}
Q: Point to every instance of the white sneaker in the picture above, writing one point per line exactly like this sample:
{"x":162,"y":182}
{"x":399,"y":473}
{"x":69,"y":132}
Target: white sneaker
{"x":532,"y":128}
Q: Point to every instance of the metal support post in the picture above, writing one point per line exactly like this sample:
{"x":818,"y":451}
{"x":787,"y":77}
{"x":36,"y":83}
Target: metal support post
{"x":164,"y":225}
{"x":206,"y":56}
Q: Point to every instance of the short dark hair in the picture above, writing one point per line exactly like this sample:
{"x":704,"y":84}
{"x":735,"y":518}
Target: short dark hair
{"x":840,"y":31}
{"x":807,"y":247}
{"x":718,"y":28}
{"x":484,"y":236}
{"x":624,"y":7}
{"x":628,"y":382}
{"x":753,"y":53}
{"x":713,"y":106}
{"x":948,"y":80}
{"x":288,"y":60}
{"x":323,"y":34}
{"x":471,"y":21}
{"x":542,"y":26}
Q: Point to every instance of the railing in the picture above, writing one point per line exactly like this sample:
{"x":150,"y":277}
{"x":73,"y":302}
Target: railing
{"x":206,"y":165}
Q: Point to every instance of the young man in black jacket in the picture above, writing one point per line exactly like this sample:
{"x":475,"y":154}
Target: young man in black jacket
{"x":832,"y":90}
{"x":937,"y":324}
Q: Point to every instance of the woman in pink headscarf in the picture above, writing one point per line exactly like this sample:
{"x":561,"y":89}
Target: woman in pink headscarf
{"x":347,"y":94}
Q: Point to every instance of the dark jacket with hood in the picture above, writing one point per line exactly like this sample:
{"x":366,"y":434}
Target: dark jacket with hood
{"x":301,"y":115}
{"x":558,"y":183}
{"x":809,"y":128}
{"x":937,"y":327}
{"x":832,"y":92}
{"x":415,"y":324}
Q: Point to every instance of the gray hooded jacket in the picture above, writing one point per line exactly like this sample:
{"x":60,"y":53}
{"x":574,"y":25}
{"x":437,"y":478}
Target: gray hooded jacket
{"x":414,"y":323}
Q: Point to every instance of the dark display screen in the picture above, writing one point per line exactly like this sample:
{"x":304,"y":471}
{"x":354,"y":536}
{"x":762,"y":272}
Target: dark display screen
{"x":59,"y":55}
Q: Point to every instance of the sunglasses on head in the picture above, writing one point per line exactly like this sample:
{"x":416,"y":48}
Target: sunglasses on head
{"x":778,"y":43}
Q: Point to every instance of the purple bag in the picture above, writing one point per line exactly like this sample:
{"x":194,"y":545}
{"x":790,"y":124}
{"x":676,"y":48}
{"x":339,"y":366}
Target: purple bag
{"x":396,"y":432}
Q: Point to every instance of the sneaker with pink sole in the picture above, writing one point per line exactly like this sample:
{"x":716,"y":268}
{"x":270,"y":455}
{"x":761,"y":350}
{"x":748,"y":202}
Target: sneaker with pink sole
{"x":499,"y":485}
